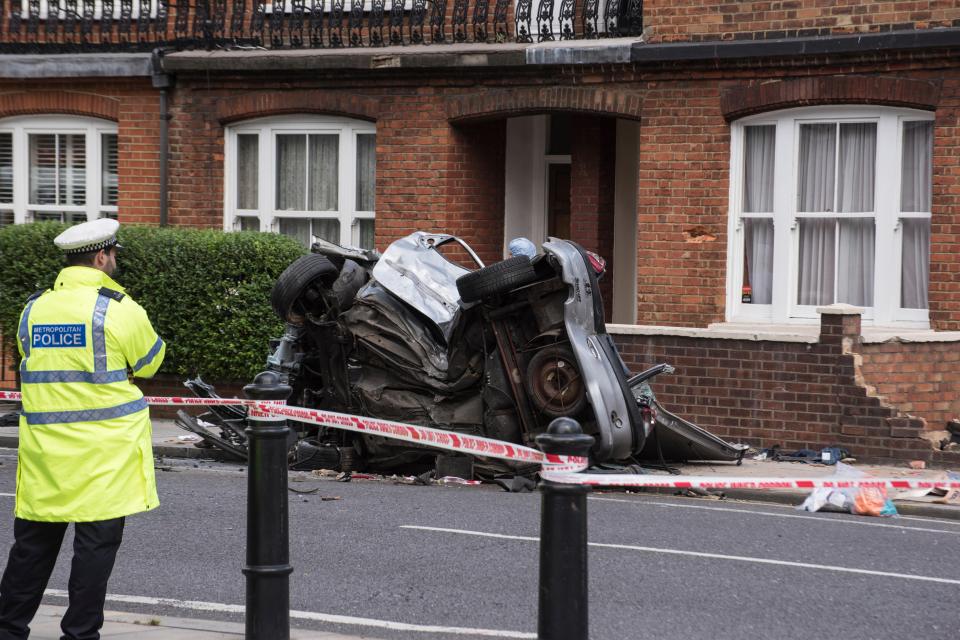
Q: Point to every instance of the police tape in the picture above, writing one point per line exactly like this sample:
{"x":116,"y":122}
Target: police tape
{"x":427,"y":436}
{"x":719,"y":482}
{"x":555,"y":468}
{"x":415,"y":434}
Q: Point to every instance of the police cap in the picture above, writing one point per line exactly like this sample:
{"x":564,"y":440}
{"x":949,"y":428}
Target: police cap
{"x":89,"y":236}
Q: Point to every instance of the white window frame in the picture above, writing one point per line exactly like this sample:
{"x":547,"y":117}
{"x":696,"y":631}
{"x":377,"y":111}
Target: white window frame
{"x":887,"y":215}
{"x":22,"y":127}
{"x":268,"y":129}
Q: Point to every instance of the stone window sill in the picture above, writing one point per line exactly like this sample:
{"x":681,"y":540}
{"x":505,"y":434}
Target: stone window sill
{"x":808,"y":333}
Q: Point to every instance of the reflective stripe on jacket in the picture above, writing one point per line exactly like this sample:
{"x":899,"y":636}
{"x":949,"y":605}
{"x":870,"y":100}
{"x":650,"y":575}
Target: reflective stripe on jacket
{"x":85,"y":448}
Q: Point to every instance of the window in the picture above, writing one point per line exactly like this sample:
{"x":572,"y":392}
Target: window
{"x":303,"y":176}
{"x":57,"y":168}
{"x":831,"y":205}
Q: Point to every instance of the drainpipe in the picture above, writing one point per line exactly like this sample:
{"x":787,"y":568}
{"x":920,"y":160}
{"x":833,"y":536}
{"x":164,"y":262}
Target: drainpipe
{"x":164,"y":82}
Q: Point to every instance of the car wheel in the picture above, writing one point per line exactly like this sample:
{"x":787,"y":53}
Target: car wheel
{"x":298,"y":289}
{"x":495,"y":279}
{"x":554,"y":382}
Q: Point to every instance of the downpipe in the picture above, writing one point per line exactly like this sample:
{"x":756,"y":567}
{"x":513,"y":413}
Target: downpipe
{"x":164,"y":82}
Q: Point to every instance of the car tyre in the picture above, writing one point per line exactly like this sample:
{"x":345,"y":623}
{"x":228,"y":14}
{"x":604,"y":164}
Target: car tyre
{"x":496,"y":279}
{"x":296,"y":291}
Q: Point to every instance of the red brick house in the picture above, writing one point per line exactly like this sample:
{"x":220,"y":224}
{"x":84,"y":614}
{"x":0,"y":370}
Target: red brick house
{"x":742,"y":165}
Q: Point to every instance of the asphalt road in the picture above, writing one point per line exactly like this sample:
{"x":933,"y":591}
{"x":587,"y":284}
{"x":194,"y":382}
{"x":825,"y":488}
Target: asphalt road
{"x":664,"y":568}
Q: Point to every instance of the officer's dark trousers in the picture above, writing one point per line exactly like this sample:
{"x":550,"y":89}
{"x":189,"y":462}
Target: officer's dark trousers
{"x":34,"y":552}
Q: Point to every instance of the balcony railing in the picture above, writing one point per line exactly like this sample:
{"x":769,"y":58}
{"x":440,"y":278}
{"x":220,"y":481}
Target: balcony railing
{"x":60,"y":26}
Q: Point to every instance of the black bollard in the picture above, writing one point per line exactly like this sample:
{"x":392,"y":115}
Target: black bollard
{"x":563,"y":611}
{"x":268,"y":546}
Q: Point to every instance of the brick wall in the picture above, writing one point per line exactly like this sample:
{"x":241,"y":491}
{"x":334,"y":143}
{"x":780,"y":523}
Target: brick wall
{"x":793,"y":394}
{"x":682,"y":205}
{"x":696,"y":20}
{"x":8,"y":375}
{"x":921,"y":379}
{"x":476,"y":187}
{"x":945,"y":232}
{"x":592,"y":170}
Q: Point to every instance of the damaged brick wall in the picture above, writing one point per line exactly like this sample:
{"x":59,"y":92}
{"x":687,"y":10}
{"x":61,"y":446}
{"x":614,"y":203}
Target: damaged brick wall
{"x":701,"y":20}
{"x":793,"y":394}
{"x":921,"y":379}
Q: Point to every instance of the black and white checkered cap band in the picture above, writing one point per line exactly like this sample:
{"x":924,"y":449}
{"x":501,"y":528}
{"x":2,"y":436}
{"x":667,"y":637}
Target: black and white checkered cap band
{"x":103,"y":244}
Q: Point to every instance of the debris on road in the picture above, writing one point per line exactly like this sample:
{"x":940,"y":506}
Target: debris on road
{"x":827,"y":455}
{"x":866,"y":501}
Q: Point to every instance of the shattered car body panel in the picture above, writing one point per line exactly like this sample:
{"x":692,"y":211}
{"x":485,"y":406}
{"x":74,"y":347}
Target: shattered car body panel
{"x":413,"y":270}
{"x":500,"y":352}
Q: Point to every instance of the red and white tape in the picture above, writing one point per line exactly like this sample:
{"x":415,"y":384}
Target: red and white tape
{"x":427,"y":436}
{"x":715,"y":482}
{"x":556,"y":468}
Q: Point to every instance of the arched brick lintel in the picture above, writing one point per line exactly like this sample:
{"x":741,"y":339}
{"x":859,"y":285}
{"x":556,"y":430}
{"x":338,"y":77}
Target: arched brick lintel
{"x":259,"y":105}
{"x":737,"y":102}
{"x":47,"y":102}
{"x":498,"y":104}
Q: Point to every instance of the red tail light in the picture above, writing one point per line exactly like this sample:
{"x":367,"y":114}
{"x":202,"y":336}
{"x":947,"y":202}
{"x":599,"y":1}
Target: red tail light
{"x":599,"y":264}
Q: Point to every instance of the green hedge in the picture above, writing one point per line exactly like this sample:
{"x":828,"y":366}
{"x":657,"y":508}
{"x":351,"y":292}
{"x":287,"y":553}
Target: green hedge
{"x":206,"y":292}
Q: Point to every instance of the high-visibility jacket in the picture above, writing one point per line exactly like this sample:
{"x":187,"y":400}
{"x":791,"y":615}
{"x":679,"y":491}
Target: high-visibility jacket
{"x":85,"y":450}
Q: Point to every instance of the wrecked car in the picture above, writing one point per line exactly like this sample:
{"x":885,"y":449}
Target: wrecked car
{"x":414,"y":335}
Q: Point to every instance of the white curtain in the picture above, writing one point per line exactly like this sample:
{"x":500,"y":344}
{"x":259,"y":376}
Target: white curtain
{"x":815,"y":188}
{"x":366,"y":171}
{"x":297,"y":228}
{"x":365,"y":231}
{"x":327,"y":229}
{"x":816,"y":271}
{"x":915,"y":194}
{"x":915,"y":268}
{"x":291,"y":173}
{"x":855,"y":260}
{"x":758,"y":253}
{"x":758,"y":169}
{"x":248,"y":146}
{"x":858,"y":167}
{"x":324,"y":169}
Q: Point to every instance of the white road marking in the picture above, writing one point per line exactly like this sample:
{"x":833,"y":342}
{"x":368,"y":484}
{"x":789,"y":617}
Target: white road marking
{"x":778,"y":515}
{"x":701,"y":554}
{"x":197,"y":605}
{"x":9,"y":495}
{"x":774,"y":505}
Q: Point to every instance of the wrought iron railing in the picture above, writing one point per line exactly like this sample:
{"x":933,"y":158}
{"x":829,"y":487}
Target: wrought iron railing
{"x":52,"y":26}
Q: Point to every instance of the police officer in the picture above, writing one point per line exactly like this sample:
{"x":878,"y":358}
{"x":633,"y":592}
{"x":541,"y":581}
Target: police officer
{"x":85,"y":452}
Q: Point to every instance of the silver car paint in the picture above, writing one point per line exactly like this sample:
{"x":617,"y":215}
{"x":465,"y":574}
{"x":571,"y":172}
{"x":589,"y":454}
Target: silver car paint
{"x":413,"y":270}
{"x":603,"y":389}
